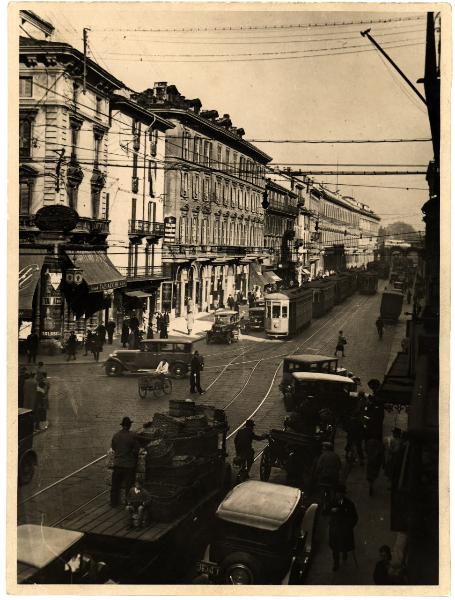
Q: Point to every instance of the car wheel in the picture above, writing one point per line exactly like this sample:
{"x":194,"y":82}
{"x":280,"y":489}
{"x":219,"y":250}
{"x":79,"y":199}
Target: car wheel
{"x":241,"y":568}
{"x":178,"y":370}
{"x":266,"y":465}
{"x":26,"y":469}
{"x":142,"y":390}
{"x":113,"y":369}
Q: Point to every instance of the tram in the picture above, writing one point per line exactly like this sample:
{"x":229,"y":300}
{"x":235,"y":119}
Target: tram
{"x":342,"y":288}
{"x":368,"y":282}
{"x":288,"y":311}
{"x":323,"y":296}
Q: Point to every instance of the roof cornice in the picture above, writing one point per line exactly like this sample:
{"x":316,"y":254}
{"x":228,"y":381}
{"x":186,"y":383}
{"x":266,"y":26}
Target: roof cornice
{"x":135,"y":110}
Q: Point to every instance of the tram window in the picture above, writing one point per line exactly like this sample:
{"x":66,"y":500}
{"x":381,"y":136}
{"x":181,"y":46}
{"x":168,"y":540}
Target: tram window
{"x":276,"y":311}
{"x":269,"y":311}
{"x":284,"y":312}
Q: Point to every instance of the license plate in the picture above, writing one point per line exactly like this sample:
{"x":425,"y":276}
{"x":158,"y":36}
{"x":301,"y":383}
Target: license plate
{"x":208,"y":568}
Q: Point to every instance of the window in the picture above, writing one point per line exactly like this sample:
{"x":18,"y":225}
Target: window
{"x":247,"y":199}
{"x":219,"y":160}
{"x":151,"y":167}
{"x":232,"y":195}
{"x":208,"y":153}
{"x":25,"y":87}
{"x":186,"y":146}
{"x":25,"y":197}
{"x":153,"y":142}
{"x":184,"y":184}
{"x":182,"y":233}
{"x":234,"y":163}
{"x":276,"y":311}
{"x":228,"y":160}
{"x":284,"y":312}
{"x":25,"y":138}
{"x":179,"y":347}
{"x":224,"y":193}
{"x":133,"y":209}
{"x":195,"y":185}
{"x":197,"y":151}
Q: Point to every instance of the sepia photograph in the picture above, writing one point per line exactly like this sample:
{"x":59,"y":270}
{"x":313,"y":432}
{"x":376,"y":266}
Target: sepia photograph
{"x":224,"y":359}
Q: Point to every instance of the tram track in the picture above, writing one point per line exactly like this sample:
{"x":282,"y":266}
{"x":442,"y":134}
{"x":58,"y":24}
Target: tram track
{"x":258,"y":363}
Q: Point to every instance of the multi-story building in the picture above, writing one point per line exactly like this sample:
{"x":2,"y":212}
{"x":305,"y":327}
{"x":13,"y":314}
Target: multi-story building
{"x":136,"y":148}
{"x":63,"y":129}
{"x":214,"y":181}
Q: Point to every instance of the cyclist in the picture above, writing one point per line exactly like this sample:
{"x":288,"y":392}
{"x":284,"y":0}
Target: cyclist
{"x":244,"y":445}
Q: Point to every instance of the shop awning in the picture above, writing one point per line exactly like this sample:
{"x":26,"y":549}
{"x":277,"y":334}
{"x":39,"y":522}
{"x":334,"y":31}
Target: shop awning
{"x":397,"y":385}
{"x":97,"y":270}
{"x":30,"y":265}
{"x":138,"y":294}
{"x":256,"y":277}
{"x":271,"y":277}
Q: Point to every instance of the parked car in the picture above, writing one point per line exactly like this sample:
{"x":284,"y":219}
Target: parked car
{"x":251,"y":317}
{"x":176,"y":351}
{"x":263,"y":534}
{"x":225,"y":328}
{"x":27,"y":458}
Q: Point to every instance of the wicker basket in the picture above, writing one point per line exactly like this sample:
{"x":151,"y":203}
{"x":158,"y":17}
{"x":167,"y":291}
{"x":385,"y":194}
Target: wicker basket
{"x":204,"y":444}
{"x":181,"y":408}
{"x":168,"y":501}
{"x":159,"y":452}
{"x":195,"y":424}
{"x":169,"y":425}
{"x":180,"y":471}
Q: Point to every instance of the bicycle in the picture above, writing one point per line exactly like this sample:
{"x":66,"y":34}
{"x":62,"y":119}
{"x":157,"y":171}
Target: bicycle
{"x":157,"y":383}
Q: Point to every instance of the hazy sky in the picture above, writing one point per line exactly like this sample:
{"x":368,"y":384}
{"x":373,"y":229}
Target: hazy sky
{"x":272,"y":82}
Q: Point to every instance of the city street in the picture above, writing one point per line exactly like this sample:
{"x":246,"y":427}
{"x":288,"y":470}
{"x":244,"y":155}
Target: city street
{"x":86,"y":408}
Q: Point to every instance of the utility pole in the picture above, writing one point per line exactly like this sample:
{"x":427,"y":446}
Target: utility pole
{"x":394,"y":65}
{"x":84,"y":77}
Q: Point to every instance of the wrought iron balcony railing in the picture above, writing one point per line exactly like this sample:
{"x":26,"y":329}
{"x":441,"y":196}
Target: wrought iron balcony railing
{"x":84,"y":224}
{"x":145,"y":228}
{"x":141,"y":272}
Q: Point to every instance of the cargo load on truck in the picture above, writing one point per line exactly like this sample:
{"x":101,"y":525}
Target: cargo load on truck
{"x":391,"y":305}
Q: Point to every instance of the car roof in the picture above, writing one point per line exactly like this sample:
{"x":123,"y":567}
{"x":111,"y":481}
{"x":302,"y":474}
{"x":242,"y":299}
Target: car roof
{"x":259,"y":504}
{"x":175,"y":340}
{"x":38,"y":545}
{"x":309,"y":357}
{"x":321,"y":377}
{"x":225,"y":312}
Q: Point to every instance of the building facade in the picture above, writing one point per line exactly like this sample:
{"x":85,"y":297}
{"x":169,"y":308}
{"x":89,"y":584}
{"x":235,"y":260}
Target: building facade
{"x":136,"y":148}
{"x":214,"y":181}
{"x":63,"y":141}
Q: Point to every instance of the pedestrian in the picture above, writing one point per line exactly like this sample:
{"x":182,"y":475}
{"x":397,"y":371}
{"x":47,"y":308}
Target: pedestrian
{"x":375,"y":459}
{"x":159,"y":320}
{"x":32,"y":344}
{"x":41,"y":402}
{"x":250,"y":299}
{"x":88,"y":342}
{"x":40,"y":368}
{"x":22,"y":377}
{"x":381,"y":574}
{"x":243,"y":443}
{"x":373,"y":419}
{"x":71,"y":346}
{"x":189,"y":322}
{"x":30,"y":391}
{"x":125,"y":334}
{"x":196,"y":366}
{"x":163,"y":328}
{"x":328,"y":467}
{"x":101,"y":333}
{"x":110,"y":327}
{"x":189,"y":304}
{"x":341,"y":343}
{"x":409,"y":297}
{"x":392,"y":453}
{"x":230,"y":302}
{"x":150,"y":331}
{"x":354,"y":437}
{"x":380,"y":326}
{"x":126,"y":448}
{"x":343,"y":519}
{"x":96,"y":346}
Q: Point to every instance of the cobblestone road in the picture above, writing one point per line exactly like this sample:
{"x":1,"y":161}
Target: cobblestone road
{"x":86,"y":408}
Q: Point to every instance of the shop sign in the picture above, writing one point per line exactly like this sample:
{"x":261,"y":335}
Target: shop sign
{"x":52,"y":301}
{"x":56,"y":217}
{"x":108,"y":285}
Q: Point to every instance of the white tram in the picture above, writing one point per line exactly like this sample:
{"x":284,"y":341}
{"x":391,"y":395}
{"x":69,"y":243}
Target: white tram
{"x":288,"y":311}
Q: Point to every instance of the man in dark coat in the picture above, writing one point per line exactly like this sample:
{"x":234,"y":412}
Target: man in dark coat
{"x":244,"y":443}
{"x":126,"y":448}
{"x":125,"y":333}
{"x":32,"y":347}
{"x":196,"y":366}
{"x":380,"y":326}
{"x":71,"y":346}
{"x":375,"y":460}
{"x":110,"y":327}
{"x":101,"y":333}
{"x":373,"y":419}
{"x":230,"y":302}
{"x":343,"y":519}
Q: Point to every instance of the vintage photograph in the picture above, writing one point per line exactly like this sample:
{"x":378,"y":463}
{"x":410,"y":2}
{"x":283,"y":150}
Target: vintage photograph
{"x":225,"y":229}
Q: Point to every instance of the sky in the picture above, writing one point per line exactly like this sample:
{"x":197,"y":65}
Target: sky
{"x":291,"y":76}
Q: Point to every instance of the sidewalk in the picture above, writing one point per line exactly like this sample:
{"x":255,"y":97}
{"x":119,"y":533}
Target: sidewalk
{"x":202,"y":323}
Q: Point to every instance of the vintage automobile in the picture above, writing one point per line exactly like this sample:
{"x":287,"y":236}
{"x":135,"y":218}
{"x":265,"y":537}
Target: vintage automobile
{"x":309,"y":393}
{"x":27,"y":458}
{"x":306,"y":363}
{"x":225,"y":328}
{"x":263,"y":534}
{"x":176,"y":350}
{"x":251,"y":317}
{"x":52,"y":555}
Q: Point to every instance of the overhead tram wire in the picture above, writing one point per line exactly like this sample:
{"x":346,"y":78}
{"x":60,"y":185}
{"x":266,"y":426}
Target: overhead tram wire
{"x":265,"y":27}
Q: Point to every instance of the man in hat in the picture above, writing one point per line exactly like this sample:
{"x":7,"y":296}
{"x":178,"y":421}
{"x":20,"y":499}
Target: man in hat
{"x":343,"y":519}
{"x":196,"y":366}
{"x":328,"y":466}
{"x":244,"y":443}
{"x":126,"y":448}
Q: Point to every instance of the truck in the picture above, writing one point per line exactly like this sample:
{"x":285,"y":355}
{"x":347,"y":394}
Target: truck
{"x":99,"y":544}
{"x":391,"y":305}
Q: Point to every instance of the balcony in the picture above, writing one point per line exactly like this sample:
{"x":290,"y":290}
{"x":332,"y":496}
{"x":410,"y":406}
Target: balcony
{"x":84,"y":225}
{"x":141,"y":273}
{"x":145,"y":228}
